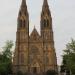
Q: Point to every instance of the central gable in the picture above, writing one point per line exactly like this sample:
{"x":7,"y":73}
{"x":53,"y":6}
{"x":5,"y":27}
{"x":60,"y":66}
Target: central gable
{"x":34,"y":36}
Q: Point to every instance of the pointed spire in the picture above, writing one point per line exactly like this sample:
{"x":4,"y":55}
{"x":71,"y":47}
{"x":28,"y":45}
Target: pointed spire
{"x":45,"y":3}
{"x":23,"y":16}
{"x":34,"y":27}
{"x":34,"y":32}
{"x":23,"y":3}
{"x":45,"y":8}
{"x":23,"y":7}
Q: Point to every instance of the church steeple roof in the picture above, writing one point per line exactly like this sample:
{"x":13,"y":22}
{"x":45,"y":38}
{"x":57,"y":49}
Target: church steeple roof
{"x":45,"y":8}
{"x":45,"y":4}
{"x":23,"y":3}
{"x":46,"y":19}
{"x":23,"y":16}
{"x":23,"y":8}
{"x":34,"y":33}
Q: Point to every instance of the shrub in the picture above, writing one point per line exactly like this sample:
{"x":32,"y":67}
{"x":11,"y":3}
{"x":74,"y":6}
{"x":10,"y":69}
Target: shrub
{"x":51,"y":72}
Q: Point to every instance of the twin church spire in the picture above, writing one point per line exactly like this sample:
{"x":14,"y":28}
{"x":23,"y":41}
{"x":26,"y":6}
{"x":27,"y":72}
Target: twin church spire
{"x":34,"y":54}
{"x":23,"y":17}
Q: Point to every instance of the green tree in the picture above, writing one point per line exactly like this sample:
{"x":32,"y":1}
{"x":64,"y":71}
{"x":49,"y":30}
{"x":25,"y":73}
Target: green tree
{"x":69,"y":57}
{"x":6,"y":58}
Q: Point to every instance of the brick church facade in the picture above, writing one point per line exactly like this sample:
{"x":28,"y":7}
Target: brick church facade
{"x":34,"y":53}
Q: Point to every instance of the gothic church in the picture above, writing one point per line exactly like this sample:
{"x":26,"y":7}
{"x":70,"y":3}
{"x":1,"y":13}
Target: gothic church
{"x":34,"y":53}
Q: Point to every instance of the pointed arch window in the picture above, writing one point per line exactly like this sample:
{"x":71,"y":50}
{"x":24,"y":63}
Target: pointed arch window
{"x":46,"y":23}
{"x":20,"y":23}
{"x":22,"y":58}
{"x":24,"y":22}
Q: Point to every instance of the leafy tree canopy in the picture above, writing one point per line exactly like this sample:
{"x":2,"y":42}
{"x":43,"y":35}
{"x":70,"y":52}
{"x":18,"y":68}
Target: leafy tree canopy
{"x":6,"y":58}
{"x":69,"y":56}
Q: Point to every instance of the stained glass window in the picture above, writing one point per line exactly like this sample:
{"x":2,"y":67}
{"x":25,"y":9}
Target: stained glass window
{"x":46,"y":23}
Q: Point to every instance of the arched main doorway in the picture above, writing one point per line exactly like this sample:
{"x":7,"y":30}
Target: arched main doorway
{"x":35,"y":68}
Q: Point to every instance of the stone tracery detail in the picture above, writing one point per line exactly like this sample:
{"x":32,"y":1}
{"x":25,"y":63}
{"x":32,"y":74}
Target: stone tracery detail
{"x":34,"y":50}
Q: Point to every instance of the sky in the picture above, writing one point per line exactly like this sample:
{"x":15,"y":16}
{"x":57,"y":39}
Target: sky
{"x":63,"y":16}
